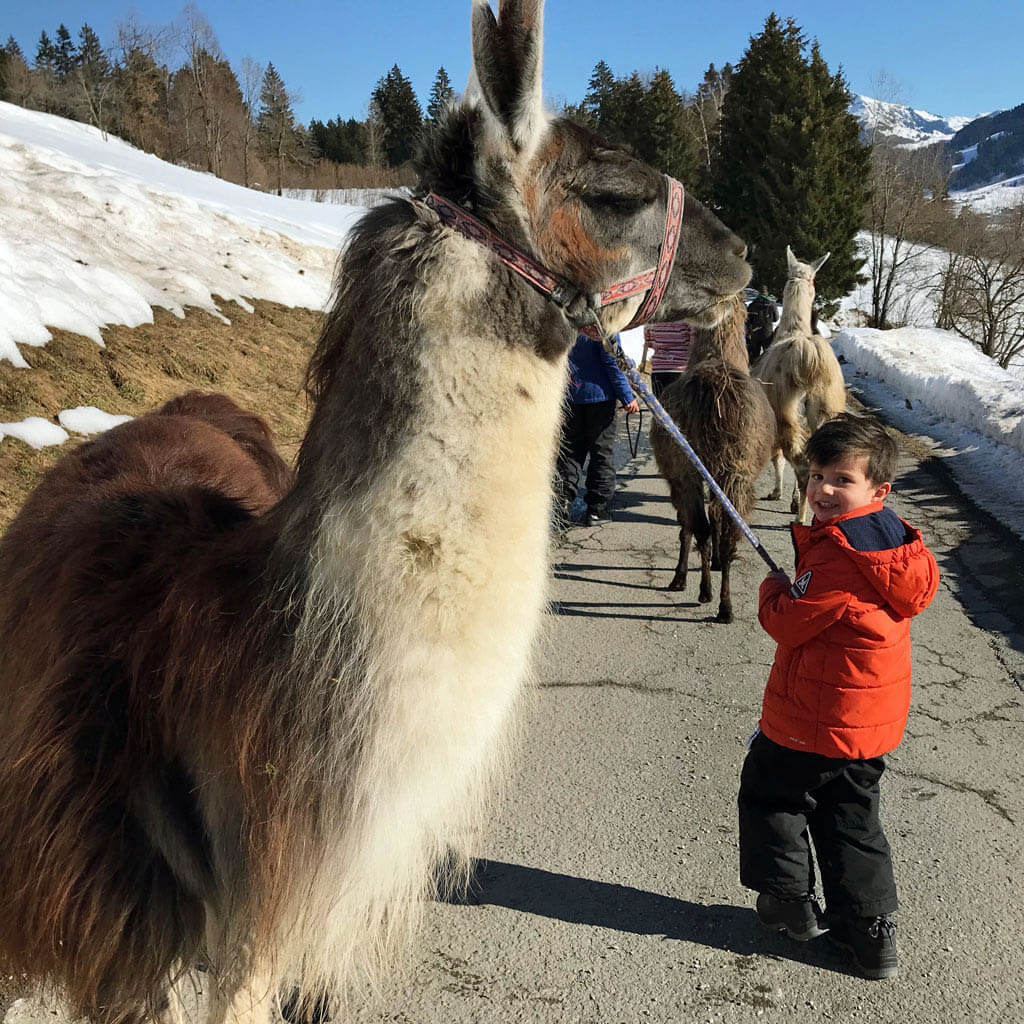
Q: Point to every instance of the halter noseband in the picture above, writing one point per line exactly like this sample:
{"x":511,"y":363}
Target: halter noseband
{"x":560,"y":291}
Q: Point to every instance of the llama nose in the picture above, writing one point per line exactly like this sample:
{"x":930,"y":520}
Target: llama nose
{"x":740,"y":248}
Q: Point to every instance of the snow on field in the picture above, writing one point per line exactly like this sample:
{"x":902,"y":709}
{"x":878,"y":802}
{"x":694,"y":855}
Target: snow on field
{"x":992,"y":198}
{"x":96,"y":232}
{"x":913,"y":300}
{"x":937,"y":386}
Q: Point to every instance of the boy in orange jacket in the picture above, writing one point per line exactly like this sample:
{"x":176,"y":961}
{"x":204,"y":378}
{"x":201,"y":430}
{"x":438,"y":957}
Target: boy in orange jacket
{"x":836,"y":701}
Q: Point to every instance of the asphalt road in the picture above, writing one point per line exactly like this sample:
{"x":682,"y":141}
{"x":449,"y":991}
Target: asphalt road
{"x":608,"y":888}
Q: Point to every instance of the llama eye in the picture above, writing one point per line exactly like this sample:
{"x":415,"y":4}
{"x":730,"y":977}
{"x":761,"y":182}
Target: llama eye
{"x":612,"y":202}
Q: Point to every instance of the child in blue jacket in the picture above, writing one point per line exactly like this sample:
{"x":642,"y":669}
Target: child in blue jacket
{"x":595,"y":382}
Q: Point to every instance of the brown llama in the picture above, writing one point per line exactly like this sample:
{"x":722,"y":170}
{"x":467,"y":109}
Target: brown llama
{"x":725,"y":416}
{"x":802,"y":378}
{"x":244,"y":719}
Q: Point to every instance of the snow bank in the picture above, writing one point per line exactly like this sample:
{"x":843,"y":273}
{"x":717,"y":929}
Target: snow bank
{"x":934,"y":384}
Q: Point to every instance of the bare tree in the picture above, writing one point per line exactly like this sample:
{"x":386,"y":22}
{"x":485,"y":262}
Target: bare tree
{"x":903,"y":185}
{"x":142,"y":83}
{"x":92,"y":82}
{"x":208,"y":90}
{"x":981,"y":290}
{"x":251,"y":81}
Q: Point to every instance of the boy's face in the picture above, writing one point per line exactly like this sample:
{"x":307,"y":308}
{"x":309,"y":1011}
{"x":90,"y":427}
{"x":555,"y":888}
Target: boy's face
{"x":841,"y":487}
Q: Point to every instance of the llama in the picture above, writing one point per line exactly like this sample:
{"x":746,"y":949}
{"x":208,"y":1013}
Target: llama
{"x":726,"y":417}
{"x":802,"y":378}
{"x":246,"y":716}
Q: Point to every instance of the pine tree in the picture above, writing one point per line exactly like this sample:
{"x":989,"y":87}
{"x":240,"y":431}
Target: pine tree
{"x":65,"y":56}
{"x":46,"y":55}
{"x":400,"y":116}
{"x":596,"y":106}
{"x":441,"y":94}
{"x":791,"y":169}
{"x":91,"y":56}
{"x":15,"y":77}
{"x":622,"y":114}
{"x":664,"y":142}
{"x":275,"y":125}
{"x":344,"y":142}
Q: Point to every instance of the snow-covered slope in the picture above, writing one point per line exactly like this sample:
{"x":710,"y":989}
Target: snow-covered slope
{"x":96,"y":232}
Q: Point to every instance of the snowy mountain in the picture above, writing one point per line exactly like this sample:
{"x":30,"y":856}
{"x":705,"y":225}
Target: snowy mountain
{"x":904,"y":125}
{"x":986,"y":153}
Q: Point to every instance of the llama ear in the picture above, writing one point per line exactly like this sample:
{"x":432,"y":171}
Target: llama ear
{"x":792,"y":263}
{"x":507,"y":59}
{"x":815,"y":267}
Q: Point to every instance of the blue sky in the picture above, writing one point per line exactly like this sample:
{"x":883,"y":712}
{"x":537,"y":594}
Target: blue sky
{"x":948,"y":58}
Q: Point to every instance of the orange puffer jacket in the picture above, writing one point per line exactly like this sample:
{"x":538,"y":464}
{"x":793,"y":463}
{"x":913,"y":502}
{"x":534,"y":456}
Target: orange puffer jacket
{"x":840,"y":684}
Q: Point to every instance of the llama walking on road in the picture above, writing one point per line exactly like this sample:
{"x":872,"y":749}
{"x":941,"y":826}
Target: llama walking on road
{"x":802,"y":378}
{"x":245,"y":716}
{"x":725,"y":416}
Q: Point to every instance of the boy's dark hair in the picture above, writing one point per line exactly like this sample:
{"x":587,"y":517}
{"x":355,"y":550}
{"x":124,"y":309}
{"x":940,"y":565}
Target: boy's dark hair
{"x":848,"y":434}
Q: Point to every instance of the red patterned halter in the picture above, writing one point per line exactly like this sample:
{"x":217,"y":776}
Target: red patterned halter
{"x":561,"y":292}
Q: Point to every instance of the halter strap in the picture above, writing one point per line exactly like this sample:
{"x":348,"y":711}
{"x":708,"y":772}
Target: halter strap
{"x":560,"y":291}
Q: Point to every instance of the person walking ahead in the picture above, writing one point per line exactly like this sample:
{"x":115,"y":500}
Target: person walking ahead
{"x":595,"y":382}
{"x":836,"y":701}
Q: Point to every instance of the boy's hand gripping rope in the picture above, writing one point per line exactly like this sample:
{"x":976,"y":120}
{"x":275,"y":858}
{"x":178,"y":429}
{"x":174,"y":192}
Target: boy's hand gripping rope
{"x":628,"y":367}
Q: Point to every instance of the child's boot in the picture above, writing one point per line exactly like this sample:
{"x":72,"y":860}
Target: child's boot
{"x":871,"y":942}
{"x":799,"y":917}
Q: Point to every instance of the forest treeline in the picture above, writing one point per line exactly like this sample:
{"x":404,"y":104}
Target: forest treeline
{"x":172,"y":91}
{"x":769,"y":143}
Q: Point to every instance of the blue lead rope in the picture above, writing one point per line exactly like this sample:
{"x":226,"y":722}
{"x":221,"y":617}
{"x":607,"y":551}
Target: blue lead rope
{"x":628,"y":367}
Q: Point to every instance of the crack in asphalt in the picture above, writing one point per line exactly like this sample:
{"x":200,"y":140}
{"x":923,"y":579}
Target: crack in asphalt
{"x":987,"y":796}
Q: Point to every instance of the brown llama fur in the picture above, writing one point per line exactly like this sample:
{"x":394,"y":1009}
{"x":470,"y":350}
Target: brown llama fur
{"x":246,"y":715}
{"x":725,"y":416}
{"x":802,"y":378}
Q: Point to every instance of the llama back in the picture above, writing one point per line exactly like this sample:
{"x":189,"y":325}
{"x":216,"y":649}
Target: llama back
{"x":88,"y":755}
{"x":724,"y":415}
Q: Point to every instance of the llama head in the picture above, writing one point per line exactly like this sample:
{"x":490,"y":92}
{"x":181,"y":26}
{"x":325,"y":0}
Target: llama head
{"x":589,"y":211}
{"x":806,"y":271}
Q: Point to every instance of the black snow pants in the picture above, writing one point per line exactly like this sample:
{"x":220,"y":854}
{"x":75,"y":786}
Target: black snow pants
{"x":588,"y":429}
{"x":789,"y":798}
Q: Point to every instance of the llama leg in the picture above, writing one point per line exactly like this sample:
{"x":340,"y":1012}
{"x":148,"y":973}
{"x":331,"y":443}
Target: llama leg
{"x":679,"y":579}
{"x":174,"y":1012}
{"x":798,"y":506}
{"x":249,"y":1001}
{"x":703,"y":533}
{"x":704,"y":596}
{"x":686,"y":509}
{"x":779,"y":465}
{"x":726,"y":554}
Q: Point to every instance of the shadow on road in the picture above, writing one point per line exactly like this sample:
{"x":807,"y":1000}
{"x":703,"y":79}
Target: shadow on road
{"x":587,"y":610}
{"x":583,"y":901}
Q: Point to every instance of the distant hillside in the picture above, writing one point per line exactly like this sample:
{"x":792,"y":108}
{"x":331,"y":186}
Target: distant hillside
{"x":994,"y":147}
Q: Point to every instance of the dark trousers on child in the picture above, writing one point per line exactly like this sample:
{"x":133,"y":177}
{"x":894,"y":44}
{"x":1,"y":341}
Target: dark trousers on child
{"x":588,"y":429}
{"x":789,"y":798}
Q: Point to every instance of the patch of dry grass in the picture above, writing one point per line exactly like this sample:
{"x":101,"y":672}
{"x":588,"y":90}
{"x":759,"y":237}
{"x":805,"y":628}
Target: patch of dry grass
{"x":258,"y":359}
